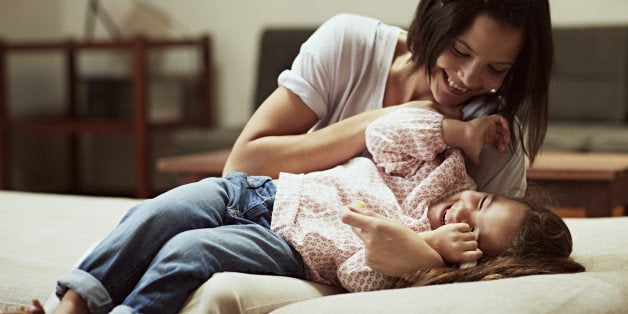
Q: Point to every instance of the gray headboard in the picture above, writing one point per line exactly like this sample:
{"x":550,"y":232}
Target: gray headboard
{"x":590,"y":80}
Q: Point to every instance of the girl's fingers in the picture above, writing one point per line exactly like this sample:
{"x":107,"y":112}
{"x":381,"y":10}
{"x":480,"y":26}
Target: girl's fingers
{"x":461,"y":227}
{"x":471,"y":255}
{"x":358,"y":217}
{"x":468,"y":246}
{"x":466,"y":234}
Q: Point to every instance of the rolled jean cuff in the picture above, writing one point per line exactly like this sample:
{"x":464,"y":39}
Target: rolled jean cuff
{"x":88,"y":287}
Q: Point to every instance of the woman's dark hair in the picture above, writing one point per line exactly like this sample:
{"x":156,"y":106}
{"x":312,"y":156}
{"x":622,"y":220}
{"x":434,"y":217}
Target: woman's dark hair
{"x":542,"y":245}
{"x":524,"y":92}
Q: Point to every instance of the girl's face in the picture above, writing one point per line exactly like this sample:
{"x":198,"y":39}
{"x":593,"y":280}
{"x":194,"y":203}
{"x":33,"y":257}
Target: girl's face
{"x":475,"y":62}
{"x":496,"y":219}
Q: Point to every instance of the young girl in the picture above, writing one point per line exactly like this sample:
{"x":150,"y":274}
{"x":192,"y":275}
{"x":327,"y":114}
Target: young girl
{"x":416,"y":178}
{"x":166,"y":247}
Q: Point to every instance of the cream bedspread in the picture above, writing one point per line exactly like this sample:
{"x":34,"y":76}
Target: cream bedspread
{"x":43,"y":235}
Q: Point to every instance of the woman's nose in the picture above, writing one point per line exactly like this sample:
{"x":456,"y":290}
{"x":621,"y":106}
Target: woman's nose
{"x":471,"y":75}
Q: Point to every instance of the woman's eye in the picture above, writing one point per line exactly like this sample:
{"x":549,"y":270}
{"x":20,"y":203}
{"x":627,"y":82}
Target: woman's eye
{"x":495,"y":71}
{"x":457,"y":52}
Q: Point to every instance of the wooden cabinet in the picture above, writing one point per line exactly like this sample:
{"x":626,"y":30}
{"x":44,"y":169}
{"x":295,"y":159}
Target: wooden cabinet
{"x":137,"y":124}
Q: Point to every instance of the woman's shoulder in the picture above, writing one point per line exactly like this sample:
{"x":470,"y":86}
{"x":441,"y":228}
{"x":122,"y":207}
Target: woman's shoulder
{"x":344,"y":20}
{"x":357,"y":29}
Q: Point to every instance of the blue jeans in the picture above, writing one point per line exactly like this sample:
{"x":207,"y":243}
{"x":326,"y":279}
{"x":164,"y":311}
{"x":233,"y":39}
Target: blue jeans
{"x":166,"y":247}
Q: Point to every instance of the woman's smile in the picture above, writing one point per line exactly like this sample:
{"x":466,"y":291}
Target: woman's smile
{"x":452,"y":86}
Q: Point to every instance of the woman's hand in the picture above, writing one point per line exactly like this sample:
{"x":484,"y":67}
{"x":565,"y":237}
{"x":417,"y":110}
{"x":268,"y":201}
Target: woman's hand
{"x":390,"y":247}
{"x":455,"y":242}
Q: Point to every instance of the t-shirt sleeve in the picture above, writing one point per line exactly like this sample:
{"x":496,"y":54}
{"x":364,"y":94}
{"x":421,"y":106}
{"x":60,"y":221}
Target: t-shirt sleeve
{"x":401,"y":140}
{"x":315,"y":74}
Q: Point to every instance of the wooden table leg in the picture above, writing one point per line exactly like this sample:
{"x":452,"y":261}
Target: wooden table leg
{"x":599,"y":202}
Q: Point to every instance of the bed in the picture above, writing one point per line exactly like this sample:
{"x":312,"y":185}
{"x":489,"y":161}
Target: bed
{"x":43,"y":235}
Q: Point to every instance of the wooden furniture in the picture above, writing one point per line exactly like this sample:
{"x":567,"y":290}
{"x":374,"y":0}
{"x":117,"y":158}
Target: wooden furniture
{"x":278,"y":48}
{"x":193,"y":167}
{"x":138,"y":125}
{"x":595,"y":181}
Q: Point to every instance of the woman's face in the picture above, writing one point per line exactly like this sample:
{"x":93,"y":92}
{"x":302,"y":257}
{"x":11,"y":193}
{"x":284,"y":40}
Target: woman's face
{"x":495,"y":219}
{"x":475,"y":62}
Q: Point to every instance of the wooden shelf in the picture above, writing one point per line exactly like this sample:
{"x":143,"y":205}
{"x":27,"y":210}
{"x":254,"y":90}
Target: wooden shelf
{"x":137,"y":124}
{"x":70,"y":126}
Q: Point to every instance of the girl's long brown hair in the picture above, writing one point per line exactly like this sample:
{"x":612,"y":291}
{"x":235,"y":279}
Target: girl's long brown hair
{"x":542,"y":245}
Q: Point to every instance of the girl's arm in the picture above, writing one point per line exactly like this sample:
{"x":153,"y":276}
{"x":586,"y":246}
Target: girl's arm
{"x":402,"y":140}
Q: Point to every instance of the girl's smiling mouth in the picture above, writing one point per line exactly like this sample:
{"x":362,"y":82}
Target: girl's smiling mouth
{"x":445,"y":210}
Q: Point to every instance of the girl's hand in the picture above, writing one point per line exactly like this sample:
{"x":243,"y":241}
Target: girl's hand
{"x":455,"y":242}
{"x":390,"y":247}
{"x":492,"y":129}
{"x":470,"y":136}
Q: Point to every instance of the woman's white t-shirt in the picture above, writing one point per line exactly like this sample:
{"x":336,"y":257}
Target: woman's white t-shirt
{"x":341,"y":71}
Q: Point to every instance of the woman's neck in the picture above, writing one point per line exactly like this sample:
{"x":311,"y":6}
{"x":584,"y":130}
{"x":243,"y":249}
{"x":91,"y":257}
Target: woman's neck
{"x":404,"y":84}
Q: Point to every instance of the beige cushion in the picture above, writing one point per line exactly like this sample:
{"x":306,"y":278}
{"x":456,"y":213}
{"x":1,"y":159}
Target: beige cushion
{"x":578,"y":293}
{"x":43,"y":235}
{"x":252,"y":294}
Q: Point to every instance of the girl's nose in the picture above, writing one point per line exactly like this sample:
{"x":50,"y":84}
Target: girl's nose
{"x":462,"y":213}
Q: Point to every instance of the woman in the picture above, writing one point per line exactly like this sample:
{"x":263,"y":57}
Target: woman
{"x":480,"y":56}
{"x":388,"y":67}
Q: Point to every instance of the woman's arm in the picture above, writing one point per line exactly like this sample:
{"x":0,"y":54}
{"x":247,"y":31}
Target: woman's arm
{"x":275,"y":138}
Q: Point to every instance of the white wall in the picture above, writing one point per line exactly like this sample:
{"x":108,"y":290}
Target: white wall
{"x":589,"y":12}
{"x":235,"y":26}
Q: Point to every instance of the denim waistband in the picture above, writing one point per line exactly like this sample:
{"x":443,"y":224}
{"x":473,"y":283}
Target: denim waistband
{"x":254,"y":197}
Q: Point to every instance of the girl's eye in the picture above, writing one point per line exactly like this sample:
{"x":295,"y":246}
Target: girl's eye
{"x":481,"y":204}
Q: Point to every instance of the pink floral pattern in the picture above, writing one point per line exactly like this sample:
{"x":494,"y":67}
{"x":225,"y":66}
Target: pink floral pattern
{"x":411,"y":168}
